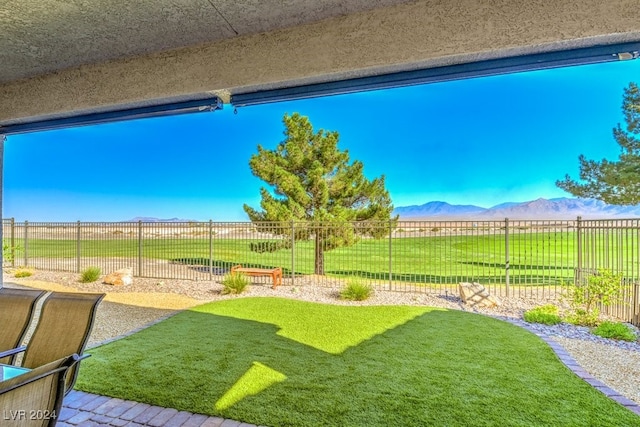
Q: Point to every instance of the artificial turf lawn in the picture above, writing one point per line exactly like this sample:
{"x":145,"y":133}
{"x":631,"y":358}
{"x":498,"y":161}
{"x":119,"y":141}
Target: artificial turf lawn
{"x":281,"y":362}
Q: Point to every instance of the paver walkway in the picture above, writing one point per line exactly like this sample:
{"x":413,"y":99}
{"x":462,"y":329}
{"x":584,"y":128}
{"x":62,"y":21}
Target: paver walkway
{"x":82,"y":409}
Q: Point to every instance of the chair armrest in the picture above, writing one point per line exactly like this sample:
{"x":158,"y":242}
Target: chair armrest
{"x":12,"y":351}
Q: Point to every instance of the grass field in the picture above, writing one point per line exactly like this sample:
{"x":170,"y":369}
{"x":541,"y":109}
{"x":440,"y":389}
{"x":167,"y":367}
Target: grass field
{"x":280,"y":362}
{"x":546,"y":258}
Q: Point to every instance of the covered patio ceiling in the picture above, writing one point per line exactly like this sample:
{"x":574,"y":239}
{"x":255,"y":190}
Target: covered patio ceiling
{"x":67,"y":58}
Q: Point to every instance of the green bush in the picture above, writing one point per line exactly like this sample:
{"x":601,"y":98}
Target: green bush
{"x":602,"y":289}
{"x":90,"y":274}
{"x":582,"y":317}
{"x":269,"y":246}
{"x":356,"y":290}
{"x":9,"y":252}
{"x":22,"y":273}
{"x":545,"y":314}
{"x":234,"y":283}
{"x":614,"y":330}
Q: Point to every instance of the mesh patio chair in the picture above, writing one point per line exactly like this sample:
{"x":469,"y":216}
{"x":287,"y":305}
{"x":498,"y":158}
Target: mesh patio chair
{"x":34,"y":399}
{"x":66,"y":320}
{"x":16,"y":312}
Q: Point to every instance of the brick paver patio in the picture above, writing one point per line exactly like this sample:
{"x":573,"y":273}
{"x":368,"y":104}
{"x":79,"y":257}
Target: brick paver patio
{"x":82,"y":409}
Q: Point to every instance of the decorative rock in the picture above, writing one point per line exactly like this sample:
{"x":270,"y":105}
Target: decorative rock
{"x":475,"y":294}
{"x":120,"y":277}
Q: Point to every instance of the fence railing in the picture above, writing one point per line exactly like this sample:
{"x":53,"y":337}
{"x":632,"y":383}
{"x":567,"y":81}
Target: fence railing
{"x":520,"y":258}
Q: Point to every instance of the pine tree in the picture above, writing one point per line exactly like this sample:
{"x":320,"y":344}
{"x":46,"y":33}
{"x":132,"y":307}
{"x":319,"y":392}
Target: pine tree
{"x":614,"y":182}
{"x":314,"y":184}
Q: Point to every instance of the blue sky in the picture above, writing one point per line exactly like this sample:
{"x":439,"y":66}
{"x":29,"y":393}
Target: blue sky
{"x":479,"y":141}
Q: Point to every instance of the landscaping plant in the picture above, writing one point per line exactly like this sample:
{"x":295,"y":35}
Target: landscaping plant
{"x":22,"y":273}
{"x":615,"y":330}
{"x":545,"y":314}
{"x":90,"y":274}
{"x":356,"y":290}
{"x":602,"y":289}
{"x":9,"y":252}
{"x":234,"y":283}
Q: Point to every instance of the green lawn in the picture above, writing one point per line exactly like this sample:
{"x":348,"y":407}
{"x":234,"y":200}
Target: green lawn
{"x":281,"y":362}
{"x":544,"y":258}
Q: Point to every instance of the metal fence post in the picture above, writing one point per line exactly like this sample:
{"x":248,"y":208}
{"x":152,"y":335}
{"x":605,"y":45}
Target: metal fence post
{"x":390,"y":254}
{"x":293,"y":253}
{"x":13,"y":242}
{"x":506,"y":255}
{"x":78,"y":233}
{"x":635,"y":304}
{"x":210,"y":250}
{"x":26,"y":243}
{"x":578,"y":274}
{"x":140,"y":248}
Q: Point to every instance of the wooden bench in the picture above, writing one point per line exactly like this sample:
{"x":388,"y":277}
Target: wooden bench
{"x":274,"y":273}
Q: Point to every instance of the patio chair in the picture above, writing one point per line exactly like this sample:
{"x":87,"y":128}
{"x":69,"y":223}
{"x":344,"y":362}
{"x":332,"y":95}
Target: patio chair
{"x":66,"y":320}
{"x":16,"y":312}
{"x":35,"y":399}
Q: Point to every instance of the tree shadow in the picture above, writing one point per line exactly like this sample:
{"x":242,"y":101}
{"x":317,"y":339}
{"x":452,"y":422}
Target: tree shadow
{"x":513,"y":266}
{"x":221,"y":267}
{"x":441,"y":279}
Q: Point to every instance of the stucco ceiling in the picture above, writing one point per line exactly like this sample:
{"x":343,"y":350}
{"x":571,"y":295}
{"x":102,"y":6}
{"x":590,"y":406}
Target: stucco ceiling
{"x":62,"y":59}
{"x":45,"y":36}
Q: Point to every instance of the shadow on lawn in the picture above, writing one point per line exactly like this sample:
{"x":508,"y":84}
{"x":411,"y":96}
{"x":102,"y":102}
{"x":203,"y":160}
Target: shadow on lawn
{"x":414,"y":373}
{"x":502,"y":265}
{"x":515,"y":278}
{"x":518,"y":273}
{"x":203,"y":265}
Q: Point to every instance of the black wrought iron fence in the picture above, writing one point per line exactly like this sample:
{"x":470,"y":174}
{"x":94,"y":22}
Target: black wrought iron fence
{"x":612,"y":244}
{"x":522,"y":258}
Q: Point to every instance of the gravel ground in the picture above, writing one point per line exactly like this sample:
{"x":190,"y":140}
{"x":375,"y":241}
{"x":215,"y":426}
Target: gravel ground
{"x":146,"y":301}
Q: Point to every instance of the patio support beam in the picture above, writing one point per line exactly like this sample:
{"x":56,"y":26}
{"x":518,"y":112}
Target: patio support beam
{"x":2,"y":140}
{"x":405,"y":37}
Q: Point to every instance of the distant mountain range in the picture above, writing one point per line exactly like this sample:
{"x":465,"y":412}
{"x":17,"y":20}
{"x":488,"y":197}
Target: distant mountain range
{"x":152,"y":219}
{"x":560,"y":208}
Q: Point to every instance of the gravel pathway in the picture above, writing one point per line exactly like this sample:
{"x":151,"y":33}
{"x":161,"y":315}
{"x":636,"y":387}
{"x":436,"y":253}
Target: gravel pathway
{"x":146,"y":301}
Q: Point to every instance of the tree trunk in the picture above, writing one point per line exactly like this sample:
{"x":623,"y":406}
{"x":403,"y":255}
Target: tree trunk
{"x":319,"y":255}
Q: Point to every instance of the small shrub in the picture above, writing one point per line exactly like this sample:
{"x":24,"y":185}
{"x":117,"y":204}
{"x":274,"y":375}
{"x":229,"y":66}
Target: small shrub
{"x":9,"y":252}
{"x":614,"y":330}
{"x":602,"y":289}
{"x":583,"y":317}
{"x":22,"y":273}
{"x":90,"y":274}
{"x":356,"y":290}
{"x":234,"y":283}
{"x":545,"y":314}
{"x":269,"y":246}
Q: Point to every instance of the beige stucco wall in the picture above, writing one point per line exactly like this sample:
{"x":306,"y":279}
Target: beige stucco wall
{"x":403,"y":37}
